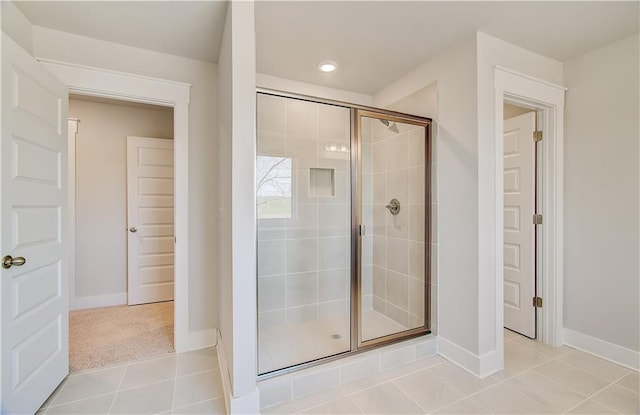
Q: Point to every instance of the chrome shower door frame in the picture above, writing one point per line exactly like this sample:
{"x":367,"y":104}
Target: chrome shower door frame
{"x":356,"y":343}
{"x":356,"y":205}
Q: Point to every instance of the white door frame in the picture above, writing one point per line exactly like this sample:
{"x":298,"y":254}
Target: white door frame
{"x":548,"y":100}
{"x":104,"y":83}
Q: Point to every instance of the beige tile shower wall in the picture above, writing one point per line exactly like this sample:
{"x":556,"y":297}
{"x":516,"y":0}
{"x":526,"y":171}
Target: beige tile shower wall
{"x":424,"y":102}
{"x":397,"y":171}
{"x":303,"y":260}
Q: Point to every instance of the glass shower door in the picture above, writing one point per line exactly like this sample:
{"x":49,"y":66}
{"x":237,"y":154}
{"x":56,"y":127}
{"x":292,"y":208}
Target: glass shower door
{"x":394,"y":212}
{"x":304,"y":224}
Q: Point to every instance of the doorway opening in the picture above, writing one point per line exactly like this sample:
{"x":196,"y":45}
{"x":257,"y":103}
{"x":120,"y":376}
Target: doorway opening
{"x":122,"y":214}
{"x":521,"y":242}
{"x":548,"y":102}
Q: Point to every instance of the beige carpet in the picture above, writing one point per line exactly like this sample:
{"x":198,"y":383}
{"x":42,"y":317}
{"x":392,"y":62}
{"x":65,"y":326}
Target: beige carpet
{"x":104,"y":336}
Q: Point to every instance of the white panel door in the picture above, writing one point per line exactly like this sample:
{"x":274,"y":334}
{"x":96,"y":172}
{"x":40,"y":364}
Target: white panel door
{"x":519,"y":230}
{"x":150,"y":219}
{"x":33,"y":176}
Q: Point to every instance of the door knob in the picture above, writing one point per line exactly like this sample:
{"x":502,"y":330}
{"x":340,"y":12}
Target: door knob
{"x":9,"y":261}
{"x":133,"y":229}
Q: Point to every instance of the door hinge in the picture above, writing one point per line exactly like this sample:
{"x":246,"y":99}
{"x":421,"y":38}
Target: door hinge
{"x":537,"y":136}
{"x":362,"y":230}
{"x":537,"y":302}
{"x":537,"y":219}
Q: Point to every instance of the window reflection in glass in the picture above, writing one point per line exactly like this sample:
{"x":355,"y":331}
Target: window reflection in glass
{"x":273,"y":187}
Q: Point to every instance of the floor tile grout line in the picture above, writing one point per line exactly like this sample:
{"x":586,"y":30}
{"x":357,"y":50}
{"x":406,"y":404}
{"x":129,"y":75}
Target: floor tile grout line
{"x":321,"y":403}
{"x":175,"y":385}
{"x":545,"y":406}
{"x":53,"y":403}
{"x":77,"y":400}
{"x":573,"y":390}
{"x":197,"y":403}
{"x":590,"y":397}
{"x":408,"y":397}
{"x":602,"y":390}
{"x":596,"y":357}
{"x":55,"y":394}
{"x":117,"y":391}
{"x":120,"y":389}
{"x":469,"y":395}
{"x":637,"y":392}
{"x":576,"y":405}
{"x":196,"y":373}
{"x":586,"y":397}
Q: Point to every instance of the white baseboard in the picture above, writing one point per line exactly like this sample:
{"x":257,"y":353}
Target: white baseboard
{"x":97,"y":301}
{"x":601,"y":348}
{"x":224,"y":372}
{"x":481,"y":366}
{"x":246,"y":404}
{"x":201,"y":339}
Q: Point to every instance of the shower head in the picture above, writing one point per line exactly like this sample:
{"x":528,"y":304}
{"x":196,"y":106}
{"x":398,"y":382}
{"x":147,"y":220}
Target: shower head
{"x":391,"y":126}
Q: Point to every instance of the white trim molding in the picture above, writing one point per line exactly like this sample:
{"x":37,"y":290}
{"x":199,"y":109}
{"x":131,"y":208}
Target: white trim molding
{"x":603,"y":349}
{"x":548,"y":100}
{"x":245,"y":404}
{"x":104,"y":83}
{"x":71,"y":208}
{"x":96,"y":301}
{"x":481,"y":366}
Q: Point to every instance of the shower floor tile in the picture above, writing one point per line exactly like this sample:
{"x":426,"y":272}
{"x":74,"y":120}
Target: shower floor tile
{"x":294,"y":343}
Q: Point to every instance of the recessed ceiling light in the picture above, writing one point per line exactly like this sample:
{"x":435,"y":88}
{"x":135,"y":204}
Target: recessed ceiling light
{"x":327,"y":66}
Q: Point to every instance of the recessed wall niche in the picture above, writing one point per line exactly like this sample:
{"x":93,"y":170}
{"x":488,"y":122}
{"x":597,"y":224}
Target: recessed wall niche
{"x":322,"y":182}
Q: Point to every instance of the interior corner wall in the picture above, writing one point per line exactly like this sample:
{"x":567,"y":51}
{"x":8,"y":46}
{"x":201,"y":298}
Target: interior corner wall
{"x":494,"y":52}
{"x":203,"y":201}
{"x":16,"y":25}
{"x":101,"y":194}
{"x":238,"y":282}
{"x":312,"y":90}
{"x":225,"y":260}
{"x":601,"y":235}
{"x":454,"y":70}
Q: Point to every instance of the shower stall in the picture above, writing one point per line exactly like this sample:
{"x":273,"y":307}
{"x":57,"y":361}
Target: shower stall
{"x":343,"y":208}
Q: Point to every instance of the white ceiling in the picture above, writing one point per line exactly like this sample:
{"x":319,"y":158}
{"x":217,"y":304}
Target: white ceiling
{"x":374,"y":42}
{"x":192,"y":29}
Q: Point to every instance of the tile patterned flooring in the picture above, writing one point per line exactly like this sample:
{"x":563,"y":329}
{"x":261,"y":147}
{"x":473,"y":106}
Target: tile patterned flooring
{"x":537,"y":380}
{"x":185,"y":383}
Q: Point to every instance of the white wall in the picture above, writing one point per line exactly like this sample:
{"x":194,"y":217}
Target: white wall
{"x":237,"y":213}
{"x":313,"y":90}
{"x":16,"y":25}
{"x":601,"y":271}
{"x":101,"y":192}
{"x":465,"y":155}
{"x":61,"y":46}
{"x":494,"y":52}
{"x":455,"y":147}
